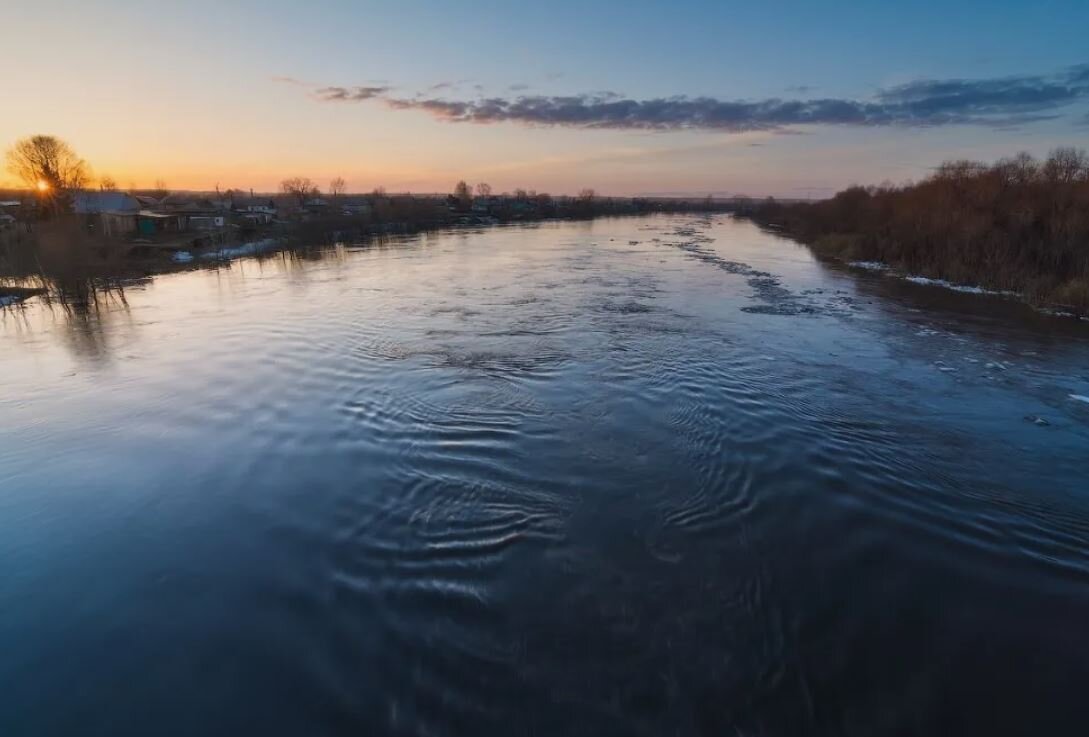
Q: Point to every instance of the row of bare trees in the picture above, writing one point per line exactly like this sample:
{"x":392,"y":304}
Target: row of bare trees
{"x":1019,"y":224}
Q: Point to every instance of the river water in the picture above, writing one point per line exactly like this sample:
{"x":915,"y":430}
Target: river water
{"x":647,"y":476}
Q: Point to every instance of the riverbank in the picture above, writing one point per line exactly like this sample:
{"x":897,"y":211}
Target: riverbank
{"x":61,"y":260}
{"x":1017,"y":227}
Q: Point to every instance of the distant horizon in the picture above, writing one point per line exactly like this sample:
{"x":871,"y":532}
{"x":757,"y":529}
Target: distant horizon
{"x":25,"y":191}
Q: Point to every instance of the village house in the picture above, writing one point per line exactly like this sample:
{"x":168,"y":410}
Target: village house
{"x":255,"y":210}
{"x":192,"y":213}
{"x":107,"y":213}
{"x":355,"y":206}
{"x":8,"y":210}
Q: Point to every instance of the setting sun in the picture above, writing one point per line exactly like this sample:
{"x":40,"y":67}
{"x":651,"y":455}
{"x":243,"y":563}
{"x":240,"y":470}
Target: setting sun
{"x":43,"y":186}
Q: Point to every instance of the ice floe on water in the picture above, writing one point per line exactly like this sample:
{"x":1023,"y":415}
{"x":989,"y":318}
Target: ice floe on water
{"x":869,"y":265}
{"x":1080,"y":398}
{"x":181,"y":257}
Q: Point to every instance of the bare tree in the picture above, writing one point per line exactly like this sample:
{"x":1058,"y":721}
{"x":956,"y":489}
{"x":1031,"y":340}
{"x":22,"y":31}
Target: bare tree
{"x":107,"y":183}
{"x":337,"y":187}
{"x":378,"y":191}
{"x":49,"y":166}
{"x":483,"y":189}
{"x":587,"y":195}
{"x":299,"y":188}
{"x":160,"y":190}
{"x":463,"y":193}
{"x":1066,"y":165}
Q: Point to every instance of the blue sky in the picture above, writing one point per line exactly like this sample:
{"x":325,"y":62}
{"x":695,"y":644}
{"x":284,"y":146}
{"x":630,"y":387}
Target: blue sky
{"x":195,"y":93}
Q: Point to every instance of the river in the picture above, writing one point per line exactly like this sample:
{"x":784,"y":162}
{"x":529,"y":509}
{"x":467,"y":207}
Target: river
{"x":643,"y":476}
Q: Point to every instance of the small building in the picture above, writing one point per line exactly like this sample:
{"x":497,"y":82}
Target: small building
{"x":355,"y":206}
{"x":255,"y":210}
{"x":107,"y":213}
{"x":150,"y":223}
{"x":193,"y":212}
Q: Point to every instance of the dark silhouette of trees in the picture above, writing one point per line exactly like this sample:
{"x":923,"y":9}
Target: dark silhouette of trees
{"x":1019,"y":224}
{"x":48,"y":166}
{"x":300,"y":189}
{"x":337,"y":187}
{"x":463,"y":193}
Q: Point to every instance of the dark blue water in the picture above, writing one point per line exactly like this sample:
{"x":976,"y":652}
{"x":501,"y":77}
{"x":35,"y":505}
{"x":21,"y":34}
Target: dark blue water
{"x":663,"y":476}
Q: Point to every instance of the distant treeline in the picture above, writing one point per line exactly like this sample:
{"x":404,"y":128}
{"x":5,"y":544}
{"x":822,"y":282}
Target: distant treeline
{"x":1020,"y":224}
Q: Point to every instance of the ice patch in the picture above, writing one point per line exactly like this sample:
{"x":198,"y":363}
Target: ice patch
{"x":869,"y":265}
{"x":1080,"y":398}
{"x":181,"y":257}
{"x":246,"y":249}
{"x":964,"y":288}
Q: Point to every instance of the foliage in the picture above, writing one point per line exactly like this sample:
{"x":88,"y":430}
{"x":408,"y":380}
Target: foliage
{"x":1019,"y":224}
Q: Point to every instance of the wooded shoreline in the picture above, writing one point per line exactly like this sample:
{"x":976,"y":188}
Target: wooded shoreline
{"x":1019,"y":225}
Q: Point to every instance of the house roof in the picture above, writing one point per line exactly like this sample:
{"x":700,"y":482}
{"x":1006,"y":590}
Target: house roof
{"x":85,"y":203}
{"x":253,"y":202}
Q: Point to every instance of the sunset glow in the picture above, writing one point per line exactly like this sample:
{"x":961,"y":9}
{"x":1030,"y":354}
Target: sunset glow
{"x":460,"y":94}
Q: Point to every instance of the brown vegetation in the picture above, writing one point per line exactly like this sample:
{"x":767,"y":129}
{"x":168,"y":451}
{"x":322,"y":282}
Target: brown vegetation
{"x":1019,"y":224}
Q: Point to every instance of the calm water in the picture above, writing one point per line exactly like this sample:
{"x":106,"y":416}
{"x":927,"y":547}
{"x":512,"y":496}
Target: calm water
{"x":663,"y":476}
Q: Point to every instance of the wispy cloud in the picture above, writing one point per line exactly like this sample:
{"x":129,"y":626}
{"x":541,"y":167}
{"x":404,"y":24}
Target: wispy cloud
{"x":996,"y":102}
{"x":349,"y":94}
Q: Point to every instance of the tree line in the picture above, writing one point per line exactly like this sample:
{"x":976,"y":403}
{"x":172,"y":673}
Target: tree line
{"x":1019,"y":224}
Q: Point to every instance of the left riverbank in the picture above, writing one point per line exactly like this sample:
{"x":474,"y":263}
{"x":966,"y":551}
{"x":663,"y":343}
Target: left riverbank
{"x":64,"y":262}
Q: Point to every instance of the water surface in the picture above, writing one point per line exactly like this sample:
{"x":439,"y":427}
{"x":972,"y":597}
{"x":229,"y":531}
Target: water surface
{"x":652,"y":476}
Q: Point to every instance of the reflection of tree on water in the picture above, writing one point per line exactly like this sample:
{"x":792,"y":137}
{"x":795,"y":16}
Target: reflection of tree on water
{"x":87,"y":312}
{"x":77,"y":282}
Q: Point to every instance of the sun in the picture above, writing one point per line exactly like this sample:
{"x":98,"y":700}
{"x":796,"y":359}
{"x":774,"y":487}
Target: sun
{"x":43,"y":186}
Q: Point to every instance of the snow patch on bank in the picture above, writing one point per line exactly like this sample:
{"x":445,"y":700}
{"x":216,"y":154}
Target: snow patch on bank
{"x":246,"y":249}
{"x":966,"y":289}
{"x":927,"y":281}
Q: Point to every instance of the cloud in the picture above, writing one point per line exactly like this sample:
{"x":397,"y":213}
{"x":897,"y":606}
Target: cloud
{"x":349,"y":94}
{"x":935,"y":100}
{"x":998,"y":102}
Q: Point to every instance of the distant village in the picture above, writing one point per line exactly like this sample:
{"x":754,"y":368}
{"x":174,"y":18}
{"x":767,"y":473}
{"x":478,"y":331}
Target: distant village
{"x":148,"y":222}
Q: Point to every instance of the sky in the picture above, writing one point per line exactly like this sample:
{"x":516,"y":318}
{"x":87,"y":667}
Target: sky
{"x":792,"y":99}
